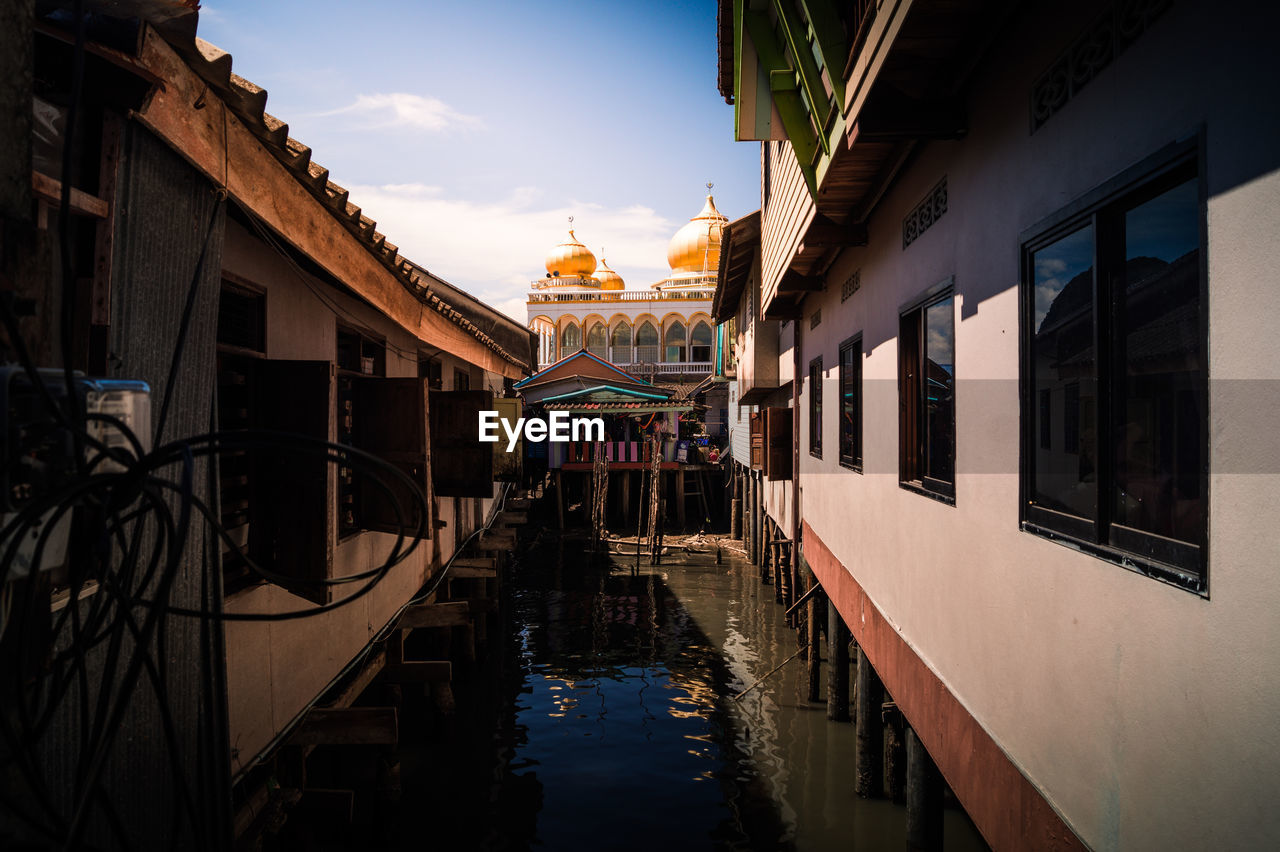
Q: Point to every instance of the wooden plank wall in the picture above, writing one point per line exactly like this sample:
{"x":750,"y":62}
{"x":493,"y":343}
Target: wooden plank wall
{"x":787,"y":212}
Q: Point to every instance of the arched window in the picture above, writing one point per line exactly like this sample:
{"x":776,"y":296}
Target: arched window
{"x":597,"y":338}
{"x":700,"y":343}
{"x":646,"y":343}
{"x":570,"y":340}
{"x":675,"y":342}
{"x":621,"y":344}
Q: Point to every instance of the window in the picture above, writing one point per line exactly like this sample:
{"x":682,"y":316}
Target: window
{"x":621,"y":344}
{"x":646,"y":343}
{"x":1114,"y":450}
{"x":570,"y":340}
{"x":597,"y":339}
{"x":926,"y":390}
{"x":361,"y":353}
{"x":777,"y":443}
{"x":700,"y":350}
{"x":461,"y":379}
{"x":815,"y":408}
{"x":241,"y":345}
{"x":675,"y":340}
{"x":430,"y":368}
{"x":851,"y":403}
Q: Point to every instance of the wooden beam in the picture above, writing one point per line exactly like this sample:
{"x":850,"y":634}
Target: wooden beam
{"x":794,"y":282}
{"x":513,"y":518}
{"x":475,"y":562}
{"x":825,"y":233}
{"x":49,"y":191}
{"x":466,"y":572}
{"x":451,"y":614}
{"x":347,"y":726}
{"x":360,"y":682}
{"x":420,"y":671}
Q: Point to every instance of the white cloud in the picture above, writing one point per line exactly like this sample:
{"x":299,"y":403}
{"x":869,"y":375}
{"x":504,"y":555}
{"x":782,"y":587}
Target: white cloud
{"x":401,"y":109}
{"x":495,"y":249}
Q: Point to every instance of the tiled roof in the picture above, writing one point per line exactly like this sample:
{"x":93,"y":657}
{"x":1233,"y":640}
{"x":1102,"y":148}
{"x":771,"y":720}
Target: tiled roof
{"x":248,"y":102}
{"x":606,"y":407}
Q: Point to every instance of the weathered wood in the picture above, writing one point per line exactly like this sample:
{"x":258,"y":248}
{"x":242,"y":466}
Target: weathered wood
{"x":475,"y":562}
{"x":347,"y":726}
{"x":519,"y":504}
{"x":420,"y":671}
{"x":442,"y":698}
{"x":924,"y":798}
{"x":360,"y":681}
{"x":451,"y":614}
{"x":895,"y":754}
{"x":680,"y":499}
{"x":49,"y":190}
{"x":466,"y":572}
{"x":496,"y":541}
{"x":838,"y":665}
{"x":868,"y":753}
{"x":510,"y":518}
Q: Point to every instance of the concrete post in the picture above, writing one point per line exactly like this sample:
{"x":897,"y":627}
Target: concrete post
{"x":868,"y":754}
{"x":838,"y":665}
{"x":924,"y":798}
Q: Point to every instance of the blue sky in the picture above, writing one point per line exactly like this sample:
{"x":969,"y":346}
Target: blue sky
{"x":471,"y":131}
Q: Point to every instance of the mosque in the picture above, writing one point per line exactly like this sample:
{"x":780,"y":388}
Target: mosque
{"x":662,"y":332}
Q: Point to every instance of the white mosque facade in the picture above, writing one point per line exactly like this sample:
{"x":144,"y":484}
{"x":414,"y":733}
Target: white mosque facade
{"x":663,"y":331}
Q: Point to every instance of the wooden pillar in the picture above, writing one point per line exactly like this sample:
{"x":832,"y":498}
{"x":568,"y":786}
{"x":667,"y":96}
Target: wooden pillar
{"x":679,"y":474}
{"x":735,"y":508}
{"x":559,"y":476}
{"x":749,"y":519}
{"x":869,"y":747}
{"x":815,"y":605}
{"x":838,"y":665}
{"x":924,"y":798}
{"x":626,"y":498}
{"x":895,"y":754}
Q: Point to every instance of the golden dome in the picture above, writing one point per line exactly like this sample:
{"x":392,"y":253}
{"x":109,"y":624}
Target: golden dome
{"x":609,"y":280}
{"x":696,"y":247}
{"x":571,"y":259}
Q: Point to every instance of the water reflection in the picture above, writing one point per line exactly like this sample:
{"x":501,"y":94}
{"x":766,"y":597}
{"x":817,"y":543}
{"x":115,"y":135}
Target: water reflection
{"x":620,"y":732}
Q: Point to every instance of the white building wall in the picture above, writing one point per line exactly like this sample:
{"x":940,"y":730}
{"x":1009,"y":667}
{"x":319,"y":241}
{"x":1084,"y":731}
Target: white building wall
{"x":1146,"y":714}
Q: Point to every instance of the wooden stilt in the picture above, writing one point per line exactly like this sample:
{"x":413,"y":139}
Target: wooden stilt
{"x":838,"y":665}
{"x":868,"y":754}
{"x":924,"y":798}
{"x":816,"y":604}
{"x":895,"y":754}
{"x":735,"y":509}
{"x":626,"y":497}
{"x":680,"y":501}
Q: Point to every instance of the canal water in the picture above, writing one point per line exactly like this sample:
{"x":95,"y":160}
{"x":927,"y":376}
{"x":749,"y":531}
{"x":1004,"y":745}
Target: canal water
{"x":610,"y":723}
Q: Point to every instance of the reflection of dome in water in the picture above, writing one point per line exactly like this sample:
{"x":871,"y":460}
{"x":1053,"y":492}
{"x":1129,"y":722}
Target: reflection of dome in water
{"x":609,"y":280}
{"x":571,"y":259}
{"x":696,"y":247}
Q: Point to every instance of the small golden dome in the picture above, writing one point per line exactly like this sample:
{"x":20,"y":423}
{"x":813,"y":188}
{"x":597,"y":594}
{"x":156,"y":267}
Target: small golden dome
{"x":609,"y":280}
{"x":696,"y":247}
{"x":571,"y":259}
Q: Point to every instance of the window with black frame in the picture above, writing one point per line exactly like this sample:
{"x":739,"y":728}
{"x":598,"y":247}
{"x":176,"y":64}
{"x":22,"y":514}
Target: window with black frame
{"x":1114,"y":446}
{"x":851,"y":403}
{"x":815,"y":408}
{"x":926,"y":387}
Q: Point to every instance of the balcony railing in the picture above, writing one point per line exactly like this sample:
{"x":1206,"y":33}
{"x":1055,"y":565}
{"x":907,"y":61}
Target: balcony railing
{"x":701,"y":294}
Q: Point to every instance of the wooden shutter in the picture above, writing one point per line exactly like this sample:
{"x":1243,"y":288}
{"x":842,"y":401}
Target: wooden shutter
{"x":507,"y":465}
{"x":392,"y":425}
{"x":778,"y":443}
{"x":462,"y":466}
{"x":757,"y":440}
{"x":292,"y":505}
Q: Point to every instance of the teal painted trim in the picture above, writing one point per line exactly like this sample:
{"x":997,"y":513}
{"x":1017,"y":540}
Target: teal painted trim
{"x":794,"y":35}
{"x":598,"y":388}
{"x":795,"y":118}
